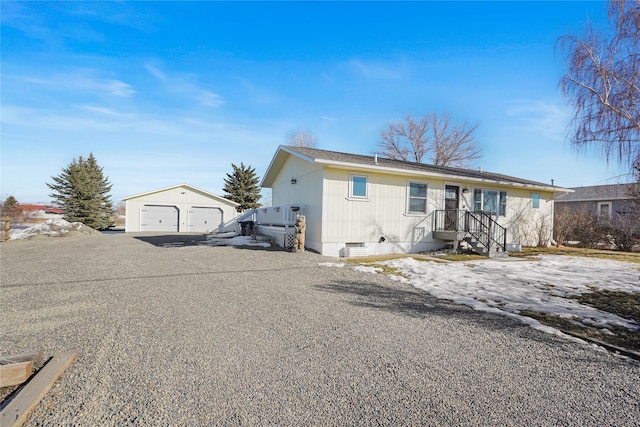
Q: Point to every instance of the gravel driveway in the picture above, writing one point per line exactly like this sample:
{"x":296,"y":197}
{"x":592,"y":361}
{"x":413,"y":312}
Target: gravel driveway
{"x":230,"y":336}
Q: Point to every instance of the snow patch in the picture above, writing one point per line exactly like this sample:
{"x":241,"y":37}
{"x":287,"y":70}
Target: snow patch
{"x":544,"y":284}
{"x":56,"y":227}
{"x":331,"y":264}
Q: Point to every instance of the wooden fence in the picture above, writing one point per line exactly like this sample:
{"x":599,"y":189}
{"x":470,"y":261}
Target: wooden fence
{"x":5,"y":227}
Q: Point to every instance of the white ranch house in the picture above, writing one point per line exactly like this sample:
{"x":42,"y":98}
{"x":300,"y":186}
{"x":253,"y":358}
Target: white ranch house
{"x":180,"y":208}
{"x":368,"y":205}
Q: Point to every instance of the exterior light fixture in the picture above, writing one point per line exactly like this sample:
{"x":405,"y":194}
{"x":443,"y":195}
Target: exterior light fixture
{"x":293,"y":180}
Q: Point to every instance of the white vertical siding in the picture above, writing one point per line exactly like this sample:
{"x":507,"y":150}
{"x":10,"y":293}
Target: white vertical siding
{"x":306,"y":191}
{"x":182,"y":198}
{"x":335,"y":219}
{"x":382,"y":214}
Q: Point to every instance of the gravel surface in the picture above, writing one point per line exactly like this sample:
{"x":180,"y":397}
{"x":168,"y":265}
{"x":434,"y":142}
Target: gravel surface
{"x":230,"y":336}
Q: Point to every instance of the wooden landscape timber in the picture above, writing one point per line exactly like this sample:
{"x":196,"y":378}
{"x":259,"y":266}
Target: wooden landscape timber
{"x":16,"y":412}
{"x":15,"y":373}
{"x":16,"y":369}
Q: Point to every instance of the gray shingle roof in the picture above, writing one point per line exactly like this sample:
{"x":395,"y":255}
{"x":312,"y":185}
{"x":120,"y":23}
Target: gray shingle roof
{"x":334,"y":156}
{"x":597,"y":192}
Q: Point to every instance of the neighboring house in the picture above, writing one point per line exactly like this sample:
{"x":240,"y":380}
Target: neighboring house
{"x":31,"y":211}
{"x":368,"y":205}
{"x":604,"y":201}
{"x":181,"y":208}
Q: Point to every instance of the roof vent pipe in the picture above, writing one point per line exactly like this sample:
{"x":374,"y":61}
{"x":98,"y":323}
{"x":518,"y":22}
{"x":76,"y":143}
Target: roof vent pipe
{"x":375,"y":159}
{"x":480,"y":169}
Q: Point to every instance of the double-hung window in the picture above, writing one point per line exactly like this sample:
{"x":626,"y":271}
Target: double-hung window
{"x":417,"y":197}
{"x":490,"y":201}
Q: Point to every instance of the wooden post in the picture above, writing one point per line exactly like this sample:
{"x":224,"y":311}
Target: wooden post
{"x":15,"y":373}
{"x":7,"y":228}
{"x":16,"y":369}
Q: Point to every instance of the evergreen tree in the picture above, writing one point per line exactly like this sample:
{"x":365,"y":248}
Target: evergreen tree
{"x":242,"y":187}
{"x":10,"y":208}
{"x":82,"y":192}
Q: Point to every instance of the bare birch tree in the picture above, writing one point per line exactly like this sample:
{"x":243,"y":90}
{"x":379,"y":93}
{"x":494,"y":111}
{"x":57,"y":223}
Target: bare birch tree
{"x":301,"y":138}
{"x":603,"y":84}
{"x":447,"y":144}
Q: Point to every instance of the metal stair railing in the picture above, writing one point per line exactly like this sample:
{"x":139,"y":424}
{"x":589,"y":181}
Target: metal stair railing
{"x":486,"y":230}
{"x":478,"y":225}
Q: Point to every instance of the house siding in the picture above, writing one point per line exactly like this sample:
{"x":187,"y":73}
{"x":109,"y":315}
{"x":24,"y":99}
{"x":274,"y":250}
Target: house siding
{"x":525,"y":224}
{"x":309,"y":181}
{"x":380,"y":221}
{"x":384,"y":213}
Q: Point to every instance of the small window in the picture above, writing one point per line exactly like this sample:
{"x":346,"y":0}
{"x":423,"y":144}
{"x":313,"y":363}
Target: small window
{"x":535,"y":200}
{"x":604,"y":210}
{"x":358,"y":186}
{"x":477,"y":200}
{"x":502,"y":209}
{"x":417,"y":197}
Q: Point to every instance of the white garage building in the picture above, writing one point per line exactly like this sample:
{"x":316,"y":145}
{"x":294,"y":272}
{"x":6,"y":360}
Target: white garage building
{"x":181,"y":208}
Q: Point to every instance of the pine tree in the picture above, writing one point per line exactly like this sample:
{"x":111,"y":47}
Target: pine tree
{"x":10,"y":208}
{"x":242,"y":187}
{"x":82,"y":192}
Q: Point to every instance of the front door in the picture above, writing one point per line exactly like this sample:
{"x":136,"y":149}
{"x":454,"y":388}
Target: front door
{"x":451,"y":198}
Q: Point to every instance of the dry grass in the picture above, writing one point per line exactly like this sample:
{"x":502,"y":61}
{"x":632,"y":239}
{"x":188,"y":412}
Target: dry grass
{"x":582,"y":252}
{"x":378,"y":258}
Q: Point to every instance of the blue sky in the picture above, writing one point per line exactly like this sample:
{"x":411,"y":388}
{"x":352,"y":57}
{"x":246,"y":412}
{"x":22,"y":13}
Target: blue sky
{"x":164,"y":93}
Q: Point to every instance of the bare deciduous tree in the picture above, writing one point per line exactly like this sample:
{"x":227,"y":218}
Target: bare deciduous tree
{"x":447,"y":144}
{"x":633,"y":191}
{"x":603,"y":84}
{"x":302,"y":138}
{"x":453,"y":145}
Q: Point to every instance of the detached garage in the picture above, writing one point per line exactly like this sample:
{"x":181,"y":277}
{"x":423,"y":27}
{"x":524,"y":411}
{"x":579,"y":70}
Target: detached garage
{"x":181,"y":208}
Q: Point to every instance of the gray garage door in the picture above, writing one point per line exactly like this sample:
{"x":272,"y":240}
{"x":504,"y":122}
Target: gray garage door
{"x":205,"y":220}
{"x":159,"y":218}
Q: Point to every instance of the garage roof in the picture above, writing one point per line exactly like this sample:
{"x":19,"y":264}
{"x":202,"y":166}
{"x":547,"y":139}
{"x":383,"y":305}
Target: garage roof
{"x":187,"y":187}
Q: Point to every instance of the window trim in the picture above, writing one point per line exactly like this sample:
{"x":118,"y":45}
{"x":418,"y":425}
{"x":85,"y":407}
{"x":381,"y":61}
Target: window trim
{"x":351,"y":195}
{"x":501,"y":208}
{"x":610,"y":209}
{"x":408,"y":210}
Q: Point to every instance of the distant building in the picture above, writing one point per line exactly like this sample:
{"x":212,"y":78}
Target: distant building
{"x":605,"y":201}
{"x":32,"y":211}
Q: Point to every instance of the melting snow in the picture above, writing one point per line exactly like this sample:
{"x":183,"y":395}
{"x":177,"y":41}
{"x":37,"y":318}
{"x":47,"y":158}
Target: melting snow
{"x":52,"y":227}
{"x":541,"y":284}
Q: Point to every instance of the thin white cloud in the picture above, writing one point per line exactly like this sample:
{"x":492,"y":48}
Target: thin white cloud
{"x":77,"y":81}
{"x":183,"y":85}
{"x":378,"y":70}
{"x":155,"y":72}
{"x":118,"y":88}
{"x":85,"y":119}
{"x":547,"y":118}
{"x":210,"y":99}
{"x":106,"y":111}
